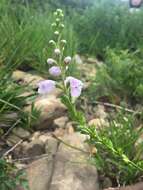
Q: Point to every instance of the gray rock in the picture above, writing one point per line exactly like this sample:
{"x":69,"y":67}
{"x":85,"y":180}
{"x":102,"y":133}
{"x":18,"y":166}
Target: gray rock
{"x":65,"y":168}
{"x":12,"y":140}
{"x":61,"y":122}
{"x":77,"y":59}
{"x":21,"y":133}
{"x":107,"y":182}
{"x":99,"y":123}
{"x":34,"y":148}
{"x":138,"y":186}
{"x":51,"y":108}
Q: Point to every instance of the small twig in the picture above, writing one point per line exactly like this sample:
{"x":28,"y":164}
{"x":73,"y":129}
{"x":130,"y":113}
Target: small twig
{"x":14,"y":147}
{"x":117,"y":107}
{"x":69,"y":145}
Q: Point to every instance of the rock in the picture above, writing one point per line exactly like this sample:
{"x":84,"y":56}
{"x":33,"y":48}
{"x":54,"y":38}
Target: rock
{"x":91,"y":60}
{"x":107,"y":182}
{"x":21,"y":133}
{"x":34,"y":148}
{"x":27,"y":78}
{"x":100,"y":112}
{"x":8,"y":117}
{"x":78,"y":59}
{"x":138,"y":186}
{"x":44,"y":137}
{"x":61,"y":122}
{"x":88,"y":71}
{"x":39,"y":174}
{"x":13,"y":139}
{"x":35,"y":135}
{"x":51,"y":146}
{"x":69,"y":128}
{"x":99,"y":123}
{"x":65,"y":169}
{"x":32,"y":80}
{"x":60,"y":132}
{"x":51,"y":108}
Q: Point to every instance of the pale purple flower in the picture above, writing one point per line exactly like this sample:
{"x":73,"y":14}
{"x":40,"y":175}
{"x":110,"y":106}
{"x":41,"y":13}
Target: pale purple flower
{"x":75,"y":86}
{"x":57,"y":51}
{"x":46,"y":86}
{"x":67,"y":60}
{"x":50,"y":61}
{"x":55,"y":71}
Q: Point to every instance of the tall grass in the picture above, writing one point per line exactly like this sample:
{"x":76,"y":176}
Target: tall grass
{"x":24,"y":35}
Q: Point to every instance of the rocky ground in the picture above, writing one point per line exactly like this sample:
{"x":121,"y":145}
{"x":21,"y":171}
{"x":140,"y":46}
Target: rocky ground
{"x":54,"y":155}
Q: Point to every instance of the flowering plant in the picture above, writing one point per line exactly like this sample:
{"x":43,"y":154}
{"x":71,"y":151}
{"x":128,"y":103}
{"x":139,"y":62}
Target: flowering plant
{"x":59,"y":65}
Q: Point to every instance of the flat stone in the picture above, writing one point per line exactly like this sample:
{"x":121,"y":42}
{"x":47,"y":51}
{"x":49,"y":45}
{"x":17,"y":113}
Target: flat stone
{"x":13,"y":139}
{"x":51,"y":108}
{"x":61,"y":122}
{"x":99,"y":123}
{"x":138,"y":186}
{"x":65,"y":168}
{"x":34,"y":148}
{"x":21,"y":133}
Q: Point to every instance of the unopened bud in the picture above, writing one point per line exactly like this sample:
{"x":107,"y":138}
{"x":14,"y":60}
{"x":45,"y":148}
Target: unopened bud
{"x":54,"y":24}
{"x":57,"y":51}
{"x":59,"y":11}
{"x":62,"y":25}
{"x":50,"y":61}
{"x":63,"y":41}
{"x":57,"y":20}
{"x":52,"y":42}
{"x":56,"y":33}
{"x":55,"y":13}
{"x":61,"y":15}
{"x":67,"y":60}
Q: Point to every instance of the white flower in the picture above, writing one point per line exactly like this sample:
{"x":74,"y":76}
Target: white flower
{"x":50,"y":61}
{"x":57,"y":51}
{"x":67,"y":59}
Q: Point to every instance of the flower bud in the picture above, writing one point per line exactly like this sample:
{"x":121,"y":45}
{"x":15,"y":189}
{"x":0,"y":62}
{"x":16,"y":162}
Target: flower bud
{"x":56,"y":33}
{"x":55,"y":13}
{"x":62,"y":25}
{"x":57,"y":51}
{"x":63,"y":41}
{"x":57,"y":20}
{"x":52,"y":42}
{"x":59,"y":11}
{"x":67,"y":60}
{"x":50,"y":61}
{"x":61,"y":15}
{"x":54,"y":24}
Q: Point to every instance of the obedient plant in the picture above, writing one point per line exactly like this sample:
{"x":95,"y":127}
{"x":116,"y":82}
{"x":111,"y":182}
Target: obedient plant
{"x":105,"y":141}
{"x":59,"y":65}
